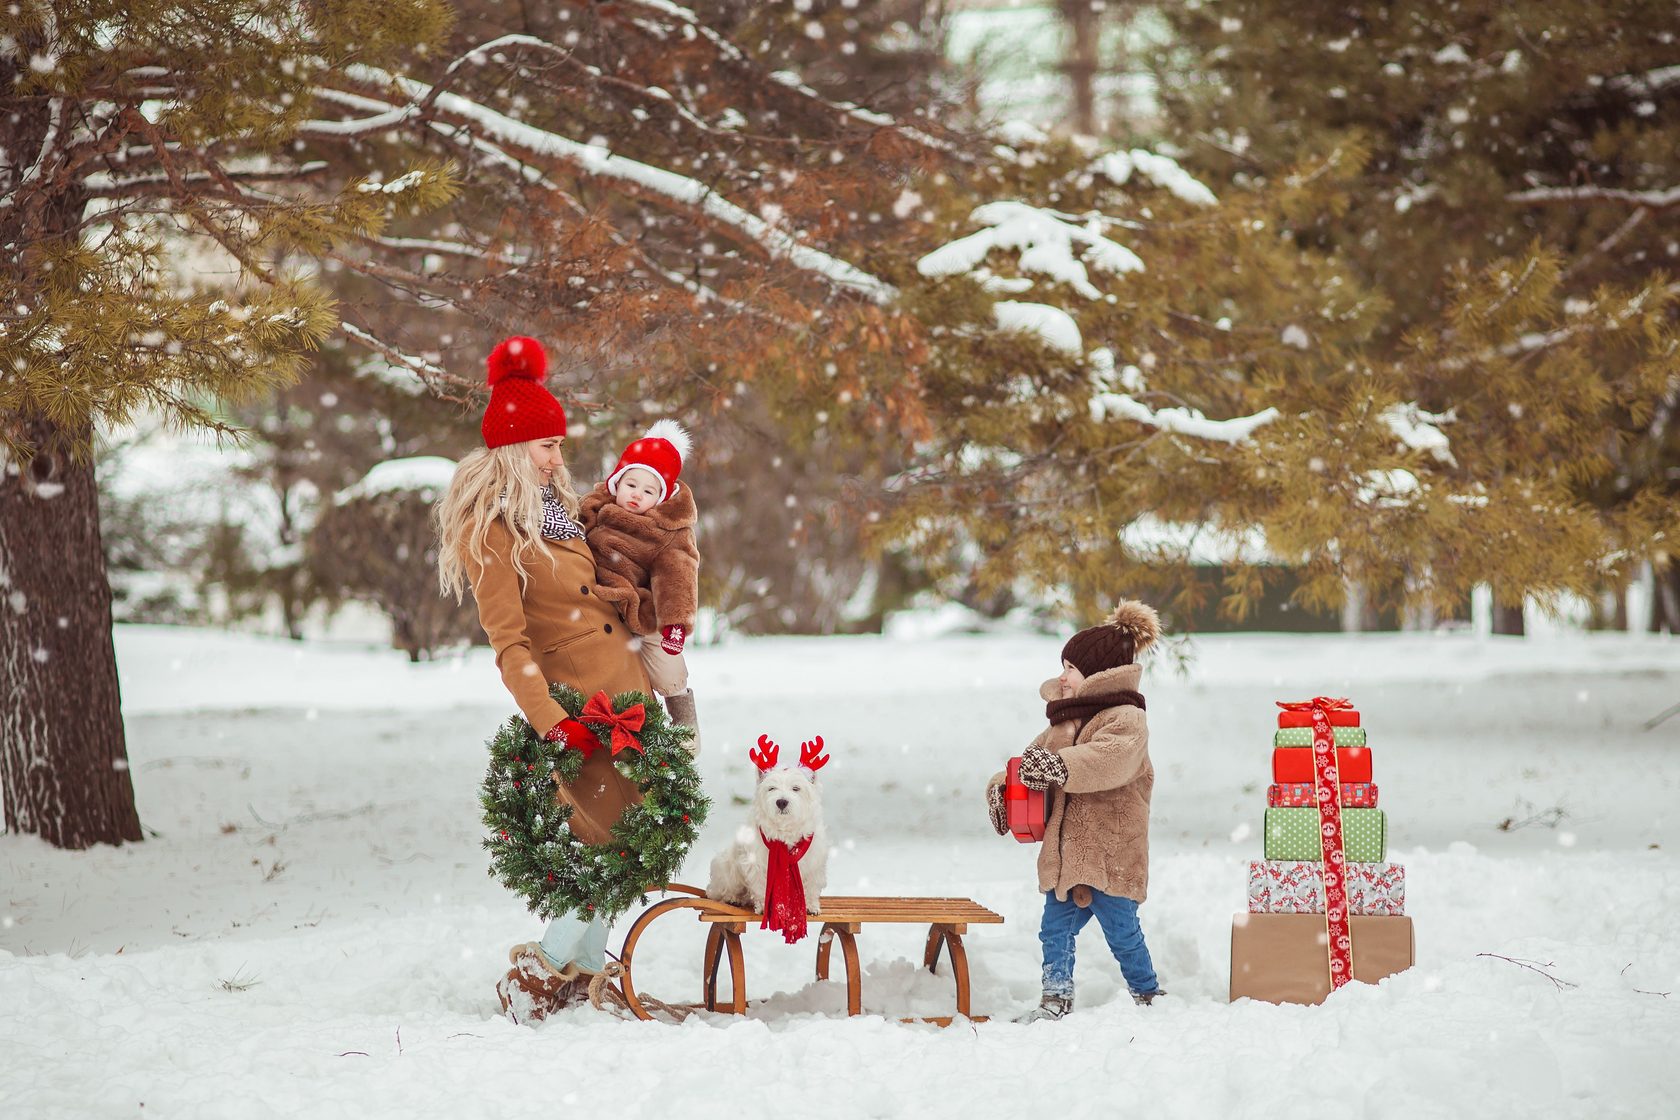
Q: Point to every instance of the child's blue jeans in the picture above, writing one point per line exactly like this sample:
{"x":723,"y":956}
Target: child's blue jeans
{"x":1119,"y":920}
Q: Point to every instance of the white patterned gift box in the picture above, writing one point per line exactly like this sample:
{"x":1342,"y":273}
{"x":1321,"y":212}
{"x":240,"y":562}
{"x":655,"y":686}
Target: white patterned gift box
{"x":1288,"y":886}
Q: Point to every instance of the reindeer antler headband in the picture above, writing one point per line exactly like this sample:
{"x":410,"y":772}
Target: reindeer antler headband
{"x":810,"y":755}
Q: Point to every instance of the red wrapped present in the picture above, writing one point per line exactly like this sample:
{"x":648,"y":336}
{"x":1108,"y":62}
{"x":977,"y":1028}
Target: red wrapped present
{"x":1025,"y":807}
{"x":1299,"y":713}
{"x":1292,"y":765}
{"x":1299,"y":795}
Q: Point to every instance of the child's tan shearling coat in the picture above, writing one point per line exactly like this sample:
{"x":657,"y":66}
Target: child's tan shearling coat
{"x":1096,"y":829}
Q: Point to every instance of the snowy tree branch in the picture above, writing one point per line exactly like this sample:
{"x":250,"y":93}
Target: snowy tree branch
{"x":434,"y":377}
{"x":632,"y":177}
{"x":1648,"y":83}
{"x":1651,"y":200}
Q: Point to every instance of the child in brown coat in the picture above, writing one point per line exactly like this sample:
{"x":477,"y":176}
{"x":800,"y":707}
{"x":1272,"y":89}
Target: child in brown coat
{"x":1093,"y":762}
{"x":639,"y":524}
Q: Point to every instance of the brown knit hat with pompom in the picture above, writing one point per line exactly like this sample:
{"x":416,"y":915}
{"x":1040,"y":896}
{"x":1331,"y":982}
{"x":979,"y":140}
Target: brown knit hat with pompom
{"x":1118,"y":640}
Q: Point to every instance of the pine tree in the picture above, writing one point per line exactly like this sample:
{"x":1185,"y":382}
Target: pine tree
{"x":1516,"y":212}
{"x":131,"y":146}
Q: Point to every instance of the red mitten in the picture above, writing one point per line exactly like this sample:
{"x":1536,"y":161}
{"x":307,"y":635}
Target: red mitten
{"x":673,"y":639}
{"x":575,"y":734}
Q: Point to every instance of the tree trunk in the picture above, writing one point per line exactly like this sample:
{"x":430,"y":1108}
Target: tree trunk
{"x":1082,"y":62}
{"x":63,"y":757}
{"x":1665,"y":603}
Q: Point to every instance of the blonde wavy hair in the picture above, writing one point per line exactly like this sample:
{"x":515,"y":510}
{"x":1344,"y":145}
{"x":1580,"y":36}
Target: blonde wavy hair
{"x":491,"y":483}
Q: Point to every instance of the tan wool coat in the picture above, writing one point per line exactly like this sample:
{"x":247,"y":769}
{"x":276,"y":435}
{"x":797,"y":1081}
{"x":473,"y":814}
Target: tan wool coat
{"x":646,"y":563}
{"x":558,"y":628}
{"x":1096,"y":828}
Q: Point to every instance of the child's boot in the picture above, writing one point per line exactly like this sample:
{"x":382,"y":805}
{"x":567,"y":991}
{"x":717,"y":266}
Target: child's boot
{"x":680,"y":705}
{"x":1144,"y":999}
{"x":1050,"y":1007}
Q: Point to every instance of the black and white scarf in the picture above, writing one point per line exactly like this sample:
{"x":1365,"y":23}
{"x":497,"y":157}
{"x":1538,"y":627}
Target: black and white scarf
{"x":558,"y":525}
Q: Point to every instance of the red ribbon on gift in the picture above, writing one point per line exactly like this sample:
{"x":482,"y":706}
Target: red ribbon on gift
{"x":1328,"y":703}
{"x":624,"y":725}
{"x":1337,"y":926}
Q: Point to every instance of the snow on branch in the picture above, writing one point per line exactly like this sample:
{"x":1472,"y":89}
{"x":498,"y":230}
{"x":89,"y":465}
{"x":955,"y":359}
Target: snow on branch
{"x":379,"y":122}
{"x":1054,"y":327}
{"x":1107,"y":405}
{"x":416,"y":472}
{"x":446,"y":248}
{"x":1045,"y":240}
{"x":1648,"y":83}
{"x":1417,"y":429}
{"x":1651,"y":200}
{"x":428,"y":372}
{"x":1182,"y":421}
{"x":1161,"y":170}
{"x":640,"y":178}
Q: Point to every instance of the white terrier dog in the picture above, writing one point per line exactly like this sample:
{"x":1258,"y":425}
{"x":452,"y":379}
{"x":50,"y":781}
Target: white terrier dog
{"x":786,"y":808}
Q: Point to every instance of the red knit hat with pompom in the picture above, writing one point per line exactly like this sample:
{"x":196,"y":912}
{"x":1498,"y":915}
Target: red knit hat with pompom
{"x":661,"y":450}
{"x":520,"y":408}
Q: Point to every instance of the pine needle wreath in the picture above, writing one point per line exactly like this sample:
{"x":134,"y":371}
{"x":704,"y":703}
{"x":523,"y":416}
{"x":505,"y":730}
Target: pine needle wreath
{"x":532,"y":850}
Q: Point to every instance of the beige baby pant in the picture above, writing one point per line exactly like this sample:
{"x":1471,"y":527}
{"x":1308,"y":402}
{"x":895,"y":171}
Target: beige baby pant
{"x":668,"y":673}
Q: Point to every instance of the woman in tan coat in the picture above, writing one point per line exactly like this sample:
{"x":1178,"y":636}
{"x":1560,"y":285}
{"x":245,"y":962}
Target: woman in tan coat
{"x":508,"y":527}
{"x":1093,"y":762}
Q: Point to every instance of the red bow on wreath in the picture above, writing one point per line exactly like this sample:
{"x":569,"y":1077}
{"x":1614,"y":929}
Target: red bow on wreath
{"x":624,"y":724}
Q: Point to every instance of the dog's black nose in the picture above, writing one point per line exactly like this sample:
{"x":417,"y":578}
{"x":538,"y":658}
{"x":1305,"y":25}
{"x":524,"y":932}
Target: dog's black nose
{"x":781,"y":804}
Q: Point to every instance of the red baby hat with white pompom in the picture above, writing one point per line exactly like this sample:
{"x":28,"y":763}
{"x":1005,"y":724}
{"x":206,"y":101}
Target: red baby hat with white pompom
{"x":662,"y":449}
{"x":520,"y":408}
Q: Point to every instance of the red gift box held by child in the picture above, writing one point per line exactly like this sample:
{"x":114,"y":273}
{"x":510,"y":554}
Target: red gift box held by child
{"x":1093,"y":762}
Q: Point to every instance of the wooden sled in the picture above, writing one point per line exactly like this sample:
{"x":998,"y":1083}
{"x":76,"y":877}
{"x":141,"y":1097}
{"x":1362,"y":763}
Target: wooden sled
{"x":842,"y":918}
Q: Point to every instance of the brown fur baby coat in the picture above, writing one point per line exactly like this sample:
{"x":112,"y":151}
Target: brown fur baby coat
{"x":647,"y":564}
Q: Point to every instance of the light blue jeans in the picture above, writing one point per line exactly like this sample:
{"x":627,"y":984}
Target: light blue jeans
{"x":1119,"y":920}
{"x":569,"y":938}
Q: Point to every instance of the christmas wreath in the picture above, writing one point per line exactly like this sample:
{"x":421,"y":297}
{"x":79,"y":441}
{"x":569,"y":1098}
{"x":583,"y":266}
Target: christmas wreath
{"x":532,"y":850}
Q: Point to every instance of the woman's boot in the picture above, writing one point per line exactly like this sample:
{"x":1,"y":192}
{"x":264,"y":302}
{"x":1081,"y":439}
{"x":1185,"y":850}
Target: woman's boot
{"x":680,"y":706}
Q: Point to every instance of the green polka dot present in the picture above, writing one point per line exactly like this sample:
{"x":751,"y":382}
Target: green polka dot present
{"x":1302,"y":736}
{"x":1294,"y":834}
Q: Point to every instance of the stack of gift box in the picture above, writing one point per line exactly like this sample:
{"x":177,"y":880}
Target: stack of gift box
{"x":1291,"y":947}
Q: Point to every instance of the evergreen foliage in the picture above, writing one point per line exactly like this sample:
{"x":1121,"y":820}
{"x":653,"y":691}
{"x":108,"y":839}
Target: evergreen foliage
{"x":148,"y":132}
{"x":532,"y":850}
{"x":1515,"y":208}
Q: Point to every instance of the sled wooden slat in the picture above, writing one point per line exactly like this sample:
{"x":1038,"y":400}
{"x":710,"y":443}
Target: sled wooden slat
{"x":842,"y":918}
{"x":843,"y":909}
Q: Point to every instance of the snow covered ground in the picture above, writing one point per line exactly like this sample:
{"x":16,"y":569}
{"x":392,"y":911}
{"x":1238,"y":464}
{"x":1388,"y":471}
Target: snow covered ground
{"x":309,"y":929}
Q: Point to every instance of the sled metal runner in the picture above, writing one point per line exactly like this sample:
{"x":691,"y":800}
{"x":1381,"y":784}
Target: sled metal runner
{"x":842,"y":918}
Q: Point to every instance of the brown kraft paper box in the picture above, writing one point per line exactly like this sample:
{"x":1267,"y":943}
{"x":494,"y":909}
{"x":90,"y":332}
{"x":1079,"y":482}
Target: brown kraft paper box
{"x":1283,"y":958}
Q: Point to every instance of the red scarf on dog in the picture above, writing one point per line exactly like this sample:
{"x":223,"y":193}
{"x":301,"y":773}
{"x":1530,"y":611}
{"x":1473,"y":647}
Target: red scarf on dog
{"x":784,"y":889}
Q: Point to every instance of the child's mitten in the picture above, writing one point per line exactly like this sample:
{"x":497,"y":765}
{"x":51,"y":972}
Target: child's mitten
{"x":997,"y":809}
{"x":672,"y":639}
{"x":1041,"y":769}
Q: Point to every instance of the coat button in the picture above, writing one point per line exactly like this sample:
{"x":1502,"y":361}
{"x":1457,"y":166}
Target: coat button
{"x":607,"y":628}
{"x":584,"y":590}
